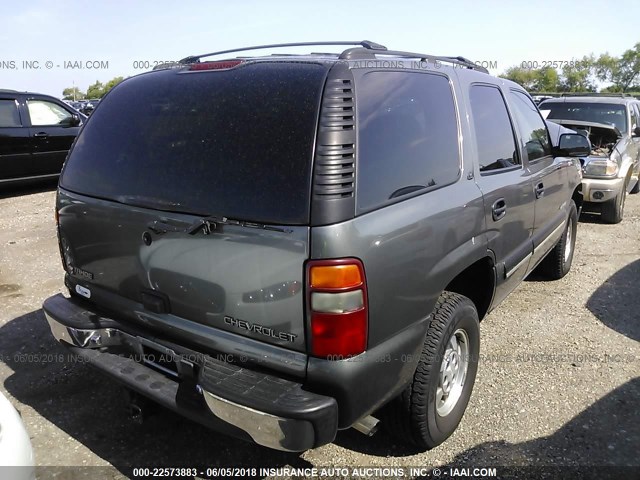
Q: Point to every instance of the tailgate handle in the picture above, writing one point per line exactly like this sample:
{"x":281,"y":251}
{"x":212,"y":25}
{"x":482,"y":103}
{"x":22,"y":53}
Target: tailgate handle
{"x":159,"y":227}
{"x":155,"y":302}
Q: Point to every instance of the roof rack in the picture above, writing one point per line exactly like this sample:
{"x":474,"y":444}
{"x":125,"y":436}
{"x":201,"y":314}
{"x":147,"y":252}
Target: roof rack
{"x":465,"y":62}
{"x":365,"y":49}
{"x":357,"y":53}
{"x":593,"y":94}
{"x":367,"y":44}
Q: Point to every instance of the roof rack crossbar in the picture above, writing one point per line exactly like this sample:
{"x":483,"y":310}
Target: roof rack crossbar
{"x":367,"y":44}
{"x":354,"y":53}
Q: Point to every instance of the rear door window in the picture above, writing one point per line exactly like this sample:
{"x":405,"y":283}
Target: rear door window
{"x":495,"y":140}
{"x":237,"y":142}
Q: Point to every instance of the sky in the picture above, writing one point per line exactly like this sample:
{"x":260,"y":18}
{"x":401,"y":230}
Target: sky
{"x":47,"y":45}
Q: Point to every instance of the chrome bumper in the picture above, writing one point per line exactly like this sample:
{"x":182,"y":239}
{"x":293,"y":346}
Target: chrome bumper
{"x":601,"y":190}
{"x":85,"y":338}
{"x":265,"y":428}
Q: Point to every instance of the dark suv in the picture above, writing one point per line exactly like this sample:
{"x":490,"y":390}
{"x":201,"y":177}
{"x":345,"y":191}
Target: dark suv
{"x":36,"y":132}
{"x":283,"y":246}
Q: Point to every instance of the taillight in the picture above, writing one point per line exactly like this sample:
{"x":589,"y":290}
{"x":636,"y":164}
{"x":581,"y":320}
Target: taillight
{"x":337,"y":302}
{"x":222,"y":65}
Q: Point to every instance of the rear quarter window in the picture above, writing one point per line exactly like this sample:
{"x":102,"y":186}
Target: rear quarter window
{"x":9,"y":116}
{"x":407,"y":136}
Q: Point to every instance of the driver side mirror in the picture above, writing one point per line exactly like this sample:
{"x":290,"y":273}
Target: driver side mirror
{"x":573,"y":145}
{"x":74,"y":120}
{"x":636,"y":132}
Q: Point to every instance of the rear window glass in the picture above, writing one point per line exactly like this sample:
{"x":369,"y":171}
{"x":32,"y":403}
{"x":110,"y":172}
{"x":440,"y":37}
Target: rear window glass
{"x":237,"y":143}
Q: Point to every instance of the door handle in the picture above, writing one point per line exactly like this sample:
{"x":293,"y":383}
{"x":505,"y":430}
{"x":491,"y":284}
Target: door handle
{"x":539,"y":190}
{"x":41,"y":135}
{"x":499,"y":209}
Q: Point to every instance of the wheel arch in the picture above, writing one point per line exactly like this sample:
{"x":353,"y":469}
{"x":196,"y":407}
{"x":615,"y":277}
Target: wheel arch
{"x":477,"y":282}
{"x":578,"y":198}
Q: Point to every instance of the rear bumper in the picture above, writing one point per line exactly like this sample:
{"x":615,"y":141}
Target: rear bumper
{"x":272,"y":411}
{"x":601,"y":190}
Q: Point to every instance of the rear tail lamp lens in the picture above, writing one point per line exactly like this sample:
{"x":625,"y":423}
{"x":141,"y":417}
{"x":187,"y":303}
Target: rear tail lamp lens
{"x":335,"y":276}
{"x":338,"y":307}
{"x":337,"y":302}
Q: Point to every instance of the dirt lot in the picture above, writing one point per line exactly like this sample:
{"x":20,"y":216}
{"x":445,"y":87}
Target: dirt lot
{"x":558,"y":383}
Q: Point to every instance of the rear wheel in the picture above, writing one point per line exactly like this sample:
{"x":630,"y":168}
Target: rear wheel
{"x":431,"y":407}
{"x":558,"y":261}
{"x":613,"y":210}
{"x":636,"y":187}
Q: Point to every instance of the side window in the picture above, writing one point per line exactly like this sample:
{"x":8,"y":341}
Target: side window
{"x":44,"y":113}
{"x":494,"y":135}
{"x":408,"y":136}
{"x":530,"y":126}
{"x":9,"y":116}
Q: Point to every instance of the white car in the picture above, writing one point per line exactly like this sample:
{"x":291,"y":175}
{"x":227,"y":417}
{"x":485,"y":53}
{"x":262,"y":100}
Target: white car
{"x":15,"y":446}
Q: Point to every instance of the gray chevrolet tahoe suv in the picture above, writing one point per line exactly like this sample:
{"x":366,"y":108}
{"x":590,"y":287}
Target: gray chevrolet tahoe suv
{"x":280,"y":247}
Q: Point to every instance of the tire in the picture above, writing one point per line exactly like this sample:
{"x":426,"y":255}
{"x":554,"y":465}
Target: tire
{"x":636,"y":187}
{"x":613,"y":210}
{"x":419,"y":416}
{"x":558,"y":261}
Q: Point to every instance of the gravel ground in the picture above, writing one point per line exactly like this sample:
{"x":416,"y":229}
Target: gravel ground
{"x":558,"y":382}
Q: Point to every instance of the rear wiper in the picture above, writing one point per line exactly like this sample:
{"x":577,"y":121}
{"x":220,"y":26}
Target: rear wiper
{"x":213,"y":222}
{"x":207,"y":224}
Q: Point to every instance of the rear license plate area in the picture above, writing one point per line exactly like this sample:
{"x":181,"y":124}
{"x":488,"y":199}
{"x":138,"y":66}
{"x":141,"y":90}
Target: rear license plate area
{"x":164,"y":360}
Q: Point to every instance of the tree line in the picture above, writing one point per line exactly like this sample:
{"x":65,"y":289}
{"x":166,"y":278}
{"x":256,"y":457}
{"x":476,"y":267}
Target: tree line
{"x":621,"y":73}
{"x":96,"y":90}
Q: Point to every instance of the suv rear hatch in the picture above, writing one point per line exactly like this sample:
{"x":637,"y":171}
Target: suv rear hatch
{"x":170,"y":148}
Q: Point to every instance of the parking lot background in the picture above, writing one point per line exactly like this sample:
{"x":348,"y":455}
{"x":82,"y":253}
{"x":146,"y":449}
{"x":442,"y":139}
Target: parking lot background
{"x":558,"y":380}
